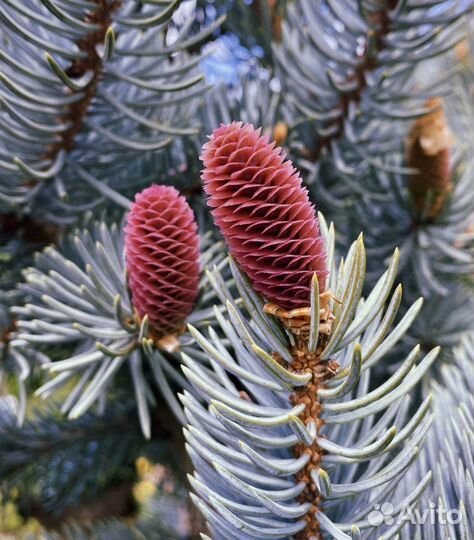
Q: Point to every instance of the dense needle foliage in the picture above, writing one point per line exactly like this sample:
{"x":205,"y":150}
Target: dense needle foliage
{"x":237,"y":269}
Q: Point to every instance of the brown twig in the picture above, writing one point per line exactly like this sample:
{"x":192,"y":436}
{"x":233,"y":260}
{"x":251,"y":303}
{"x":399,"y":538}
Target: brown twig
{"x":304,"y":361}
{"x":369,"y":61}
{"x":76,"y":112}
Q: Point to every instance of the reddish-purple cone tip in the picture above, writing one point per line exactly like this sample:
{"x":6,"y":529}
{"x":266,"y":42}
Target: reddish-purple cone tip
{"x":162,"y":256}
{"x":264,"y":214}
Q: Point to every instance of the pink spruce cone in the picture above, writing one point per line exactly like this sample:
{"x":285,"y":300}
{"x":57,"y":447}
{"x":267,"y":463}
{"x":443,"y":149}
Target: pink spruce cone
{"x":264,"y":214}
{"x":162,"y":254}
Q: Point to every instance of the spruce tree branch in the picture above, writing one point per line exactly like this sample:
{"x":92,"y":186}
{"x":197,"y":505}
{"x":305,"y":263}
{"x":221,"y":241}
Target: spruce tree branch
{"x":57,"y":464}
{"x":41,"y":437}
{"x":374,"y":44}
{"x":91,"y":63}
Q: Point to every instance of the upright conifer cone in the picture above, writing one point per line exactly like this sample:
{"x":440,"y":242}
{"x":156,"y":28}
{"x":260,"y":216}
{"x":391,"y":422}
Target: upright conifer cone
{"x":428,"y":151}
{"x":162,"y":257}
{"x":264,"y":214}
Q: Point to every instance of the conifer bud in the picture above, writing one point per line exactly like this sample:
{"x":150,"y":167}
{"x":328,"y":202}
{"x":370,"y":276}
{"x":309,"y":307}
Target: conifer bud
{"x":162,"y":258}
{"x":280,"y":133}
{"x":264,"y":214}
{"x":463,"y":51}
{"x":277,"y":22}
{"x":428,"y":151}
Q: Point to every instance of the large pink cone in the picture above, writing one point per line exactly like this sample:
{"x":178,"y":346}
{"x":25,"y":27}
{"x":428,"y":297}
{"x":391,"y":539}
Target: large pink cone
{"x":264,"y":214}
